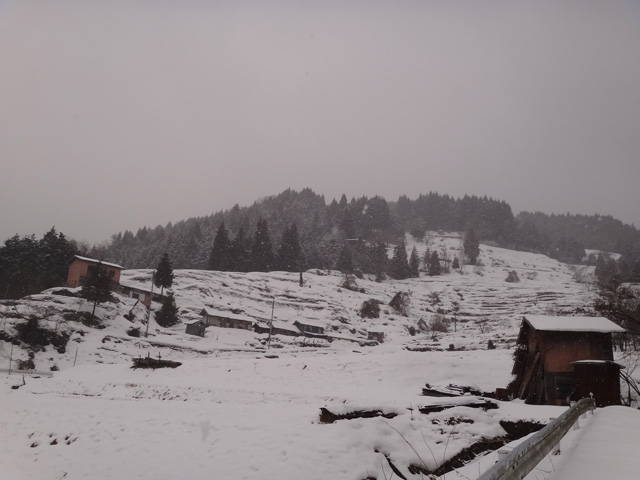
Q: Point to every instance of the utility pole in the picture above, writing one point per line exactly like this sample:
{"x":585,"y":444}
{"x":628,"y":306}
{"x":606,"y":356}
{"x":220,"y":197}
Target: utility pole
{"x":273,"y":304}
{"x":146,"y":333}
{"x":10,"y":358}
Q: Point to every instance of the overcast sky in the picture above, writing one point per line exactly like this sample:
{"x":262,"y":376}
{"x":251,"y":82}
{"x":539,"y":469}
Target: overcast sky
{"x":119,"y":114}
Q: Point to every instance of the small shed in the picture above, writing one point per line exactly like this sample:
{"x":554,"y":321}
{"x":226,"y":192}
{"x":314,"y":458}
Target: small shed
{"x":217,"y":318}
{"x":548,"y":364}
{"x":601,"y":376}
{"x":196,"y":328}
{"x":310,"y":329}
{"x":81,"y":267}
{"x":375,"y":334}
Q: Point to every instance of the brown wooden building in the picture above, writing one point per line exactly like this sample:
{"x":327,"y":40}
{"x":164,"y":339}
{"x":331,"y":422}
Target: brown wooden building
{"x":81,"y":266}
{"x":217,"y":318}
{"x":559,"y":359}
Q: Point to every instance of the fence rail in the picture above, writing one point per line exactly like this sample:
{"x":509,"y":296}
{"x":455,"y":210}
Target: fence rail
{"x":524,"y":458}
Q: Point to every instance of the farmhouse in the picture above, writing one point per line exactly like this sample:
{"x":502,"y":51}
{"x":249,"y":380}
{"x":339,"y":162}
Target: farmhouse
{"x":559,"y":359}
{"x":310,"y":329}
{"x":279,"y":328}
{"x":81,"y":267}
{"x":218,"y":318}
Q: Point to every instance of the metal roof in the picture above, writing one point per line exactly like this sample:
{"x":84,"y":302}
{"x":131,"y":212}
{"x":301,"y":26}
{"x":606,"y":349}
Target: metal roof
{"x":572,"y":324}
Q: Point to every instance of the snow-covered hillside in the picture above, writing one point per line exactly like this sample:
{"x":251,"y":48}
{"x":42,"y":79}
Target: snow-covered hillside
{"x":235,"y":410}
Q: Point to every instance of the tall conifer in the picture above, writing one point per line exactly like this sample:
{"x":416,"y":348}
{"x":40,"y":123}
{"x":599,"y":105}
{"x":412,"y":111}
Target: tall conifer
{"x":219,"y":257}
{"x":262,"y":259}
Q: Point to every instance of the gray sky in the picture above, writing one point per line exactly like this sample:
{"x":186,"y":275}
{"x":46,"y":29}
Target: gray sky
{"x":120,"y":114}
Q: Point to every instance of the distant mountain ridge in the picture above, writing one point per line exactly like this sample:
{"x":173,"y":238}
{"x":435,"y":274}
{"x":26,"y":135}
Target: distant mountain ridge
{"x":324,"y":228}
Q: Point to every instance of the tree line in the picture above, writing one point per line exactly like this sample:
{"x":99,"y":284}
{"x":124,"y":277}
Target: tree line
{"x":29,"y":265}
{"x":324,"y":228}
{"x":299,"y":229}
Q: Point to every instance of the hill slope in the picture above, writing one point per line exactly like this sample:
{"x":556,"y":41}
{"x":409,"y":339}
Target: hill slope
{"x":234,"y":410}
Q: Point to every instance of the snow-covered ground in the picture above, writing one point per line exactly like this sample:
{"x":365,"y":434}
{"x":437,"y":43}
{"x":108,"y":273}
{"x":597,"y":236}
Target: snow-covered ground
{"x":234,"y":409}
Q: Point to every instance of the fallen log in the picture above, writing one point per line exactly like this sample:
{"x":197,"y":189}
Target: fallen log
{"x":474,"y":403}
{"x":150,"y":362}
{"x":329,"y":417}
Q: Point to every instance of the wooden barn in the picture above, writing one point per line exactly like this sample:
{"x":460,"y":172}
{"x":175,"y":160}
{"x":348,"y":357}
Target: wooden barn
{"x":81,"y":267}
{"x":560,"y":359}
{"x":216,"y":318}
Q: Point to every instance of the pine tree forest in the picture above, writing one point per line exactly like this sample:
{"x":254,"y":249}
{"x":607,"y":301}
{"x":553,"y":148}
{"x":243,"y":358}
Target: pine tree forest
{"x":299,"y":229}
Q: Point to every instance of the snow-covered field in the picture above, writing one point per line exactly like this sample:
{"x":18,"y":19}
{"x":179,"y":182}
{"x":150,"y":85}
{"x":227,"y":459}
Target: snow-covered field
{"x":236,"y":410}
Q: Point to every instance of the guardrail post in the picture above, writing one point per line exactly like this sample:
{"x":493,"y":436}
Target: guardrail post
{"x":502,"y":453}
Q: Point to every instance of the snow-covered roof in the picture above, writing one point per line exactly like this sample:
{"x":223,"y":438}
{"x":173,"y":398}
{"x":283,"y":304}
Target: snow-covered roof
{"x":632,"y":286}
{"x":280,"y":325}
{"x":572,"y":324}
{"x":219,"y":313}
{"x":93,"y":260}
{"x":311,"y":323}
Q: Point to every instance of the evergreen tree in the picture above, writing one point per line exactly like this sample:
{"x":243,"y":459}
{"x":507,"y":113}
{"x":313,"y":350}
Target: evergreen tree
{"x":55,"y":253}
{"x":163,"y":277}
{"x":400,"y":263}
{"x":240,"y":252}
{"x":601,"y":269}
{"x":343,"y":202}
{"x":346,"y":223}
{"x":19,"y":267}
{"x":414,"y":263}
{"x":456,"y":264}
{"x":427,"y":258}
{"x":28,"y":266}
{"x":262,"y":259}
{"x":361,"y":254}
{"x":471,"y":246}
{"x":220,"y":252}
{"x":290,"y":256}
{"x":376,"y":218}
{"x":345,"y":260}
{"x":379,"y":260}
{"x":97,"y":286}
{"x":434,"y":264}
{"x":168,"y":313}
